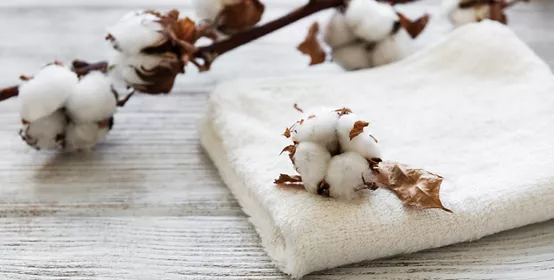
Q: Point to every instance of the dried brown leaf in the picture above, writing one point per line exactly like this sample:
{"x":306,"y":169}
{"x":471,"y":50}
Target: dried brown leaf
{"x":312,"y":47}
{"x":240,"y":16}
{"x":358,"y":129}
{"x":287,"y":132}
{"x":287,"y":179}
{"x":343,"y":111}
{"x":298,"y":108}
{"x":292,"y":150}
{"x":414,"y":187}
{"x":414,"y":28}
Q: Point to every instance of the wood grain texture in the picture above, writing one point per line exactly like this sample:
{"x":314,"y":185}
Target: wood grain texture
{"x":148,"y":204}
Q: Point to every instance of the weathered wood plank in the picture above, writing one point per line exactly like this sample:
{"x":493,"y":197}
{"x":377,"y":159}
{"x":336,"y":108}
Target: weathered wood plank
{"x":227,"y":248}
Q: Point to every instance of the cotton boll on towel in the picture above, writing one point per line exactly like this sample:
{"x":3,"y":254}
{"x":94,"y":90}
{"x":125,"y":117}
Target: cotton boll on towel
{"x":347,"y":175}
{"x":46,"y":132}
{"x":136,"y":31}
{"x":318,"y":126}
{"x":371,"y":20}
{"x":363,"y":143}
{"x":82,"y":137}
{"x":93,"y":101}
{"x":46,"y":92}
{"x":311,"y":161}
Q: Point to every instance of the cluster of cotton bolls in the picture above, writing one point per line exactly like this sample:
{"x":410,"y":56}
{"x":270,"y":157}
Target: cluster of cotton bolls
{"x":334,"y":153}
{"x":367,"y":34}
{"x":58,"y":109}
{"x":143,"y":56}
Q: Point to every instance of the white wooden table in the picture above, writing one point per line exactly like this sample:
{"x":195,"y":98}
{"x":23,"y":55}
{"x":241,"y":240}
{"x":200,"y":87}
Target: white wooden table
{"x":148,"y":204}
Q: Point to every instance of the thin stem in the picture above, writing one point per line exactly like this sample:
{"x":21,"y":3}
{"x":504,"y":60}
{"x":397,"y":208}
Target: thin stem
{"x":122,"y":102}
{"x":10,"y":92}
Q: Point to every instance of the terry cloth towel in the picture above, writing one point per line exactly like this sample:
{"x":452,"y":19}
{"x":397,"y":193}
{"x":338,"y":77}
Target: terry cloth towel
{"x":476,"y":108}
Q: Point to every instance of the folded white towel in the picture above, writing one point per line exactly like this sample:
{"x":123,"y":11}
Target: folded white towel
{"x":476,"y":108}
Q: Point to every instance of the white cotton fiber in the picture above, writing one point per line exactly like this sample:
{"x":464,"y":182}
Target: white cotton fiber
{"x":318,"y":126}
{"x":393,"y":48}
{"x":93,"y":99}
{"x":353,"y":56}
{"x":136,"y":31}
{"x":208,"y":9}
{"x":337,"y":32}
{"x":363,"y":144}
{"x":46,"y":92}
{"x":311,"y":161}
{"x":46,"y":132}
{"x":82,"y":137}
{"x":344,"y":176}
{"x":371,"y":20}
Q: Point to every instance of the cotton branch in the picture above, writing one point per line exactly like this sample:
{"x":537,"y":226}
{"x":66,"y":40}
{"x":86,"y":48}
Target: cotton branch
{"x":210,"y":52}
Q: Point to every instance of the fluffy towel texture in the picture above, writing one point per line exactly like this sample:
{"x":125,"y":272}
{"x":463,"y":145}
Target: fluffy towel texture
{"x":475,"y":108}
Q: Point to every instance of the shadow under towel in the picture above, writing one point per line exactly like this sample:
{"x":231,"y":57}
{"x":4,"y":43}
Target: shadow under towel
{"x":476,"y":107}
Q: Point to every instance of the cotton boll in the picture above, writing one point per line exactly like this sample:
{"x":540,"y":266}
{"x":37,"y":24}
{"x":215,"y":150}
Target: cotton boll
{"x":371,"y":20}
{"x":93,"y":99}
{"x":209,"y":9}
{"x":318,"y":126}
{"x":135,"y":31}
{"x":46,"y":132}
{"x":393,"y":48}
{"x":460,"y":16}
{"x":82,"y":137}
{"x":337,"y":32}
{"x":46,"y":92}
{"x":364,"y":144}
{"x":344,"y":176}
{"x":311,"y":162}
{"x":353,"y":57}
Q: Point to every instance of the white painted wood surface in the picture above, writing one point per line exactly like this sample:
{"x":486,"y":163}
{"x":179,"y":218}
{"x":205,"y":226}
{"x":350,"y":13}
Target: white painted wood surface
{"x":148,"y":204}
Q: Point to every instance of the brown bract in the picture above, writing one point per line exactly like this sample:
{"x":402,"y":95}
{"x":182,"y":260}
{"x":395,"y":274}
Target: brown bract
{"x":414,"y":187}
{"x":343,"y":111}
{"x":312,"y":47}
{"x":298,"y":108}
{"x":358,"y":129}
{"x":287,"y":132}
{"x":287,"y":179}
{"x":239,"y":16}
{"x":497,"y":12}
{"x":292,"y":150}
{"x":414,"y":28}
{"x":160,"y":79}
